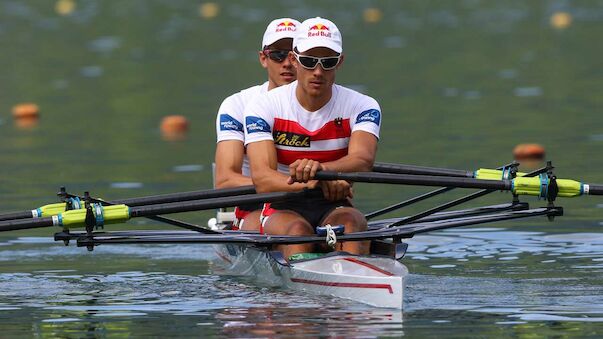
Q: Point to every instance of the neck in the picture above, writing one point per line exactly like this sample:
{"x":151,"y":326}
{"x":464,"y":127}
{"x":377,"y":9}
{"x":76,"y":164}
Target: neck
{"x":312,"y":103}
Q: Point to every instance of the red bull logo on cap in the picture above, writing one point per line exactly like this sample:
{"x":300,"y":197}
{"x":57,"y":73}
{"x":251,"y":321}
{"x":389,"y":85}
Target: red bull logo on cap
{"x":319,"y":30}
{"x":285,"y":26}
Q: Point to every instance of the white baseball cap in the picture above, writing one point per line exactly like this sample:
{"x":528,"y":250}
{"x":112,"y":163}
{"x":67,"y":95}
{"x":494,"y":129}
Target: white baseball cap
{"x":280,"y":29}
{"x":317,"y":32}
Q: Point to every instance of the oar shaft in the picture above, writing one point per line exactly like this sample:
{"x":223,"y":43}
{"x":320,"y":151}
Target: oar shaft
{"x":197,"y":205}
{"x":385,"y":167}
{"x":186,"y":196}
{"x":16,"y":215}
{"x":594,"y":189}
{"x":23,"y":224}
{"x":417,"y":180}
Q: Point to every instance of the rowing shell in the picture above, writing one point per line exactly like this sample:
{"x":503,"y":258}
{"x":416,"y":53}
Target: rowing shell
{"x":376,"y":279}
{"x":373,"y":280}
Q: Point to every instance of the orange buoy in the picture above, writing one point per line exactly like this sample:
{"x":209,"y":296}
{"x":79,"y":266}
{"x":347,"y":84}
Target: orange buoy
{"x":26,"y":111}
{"x":529,"y":152}
{"x":174,"y":127}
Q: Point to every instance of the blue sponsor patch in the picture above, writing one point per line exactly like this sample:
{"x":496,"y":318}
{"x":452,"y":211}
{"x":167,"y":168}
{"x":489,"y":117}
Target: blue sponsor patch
{"x":228,"y":123}
{"x":371,"y":115}
{"x":256,"y":124}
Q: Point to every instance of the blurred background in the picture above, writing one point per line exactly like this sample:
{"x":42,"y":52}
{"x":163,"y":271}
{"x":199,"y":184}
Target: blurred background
{"x":460,"y":83}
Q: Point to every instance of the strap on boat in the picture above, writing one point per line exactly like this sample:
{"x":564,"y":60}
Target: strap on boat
{"x":330,"y":233}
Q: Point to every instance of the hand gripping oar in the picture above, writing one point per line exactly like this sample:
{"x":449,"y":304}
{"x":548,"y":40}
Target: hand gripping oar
{"x":54,"y":209}
{"x":120,"y":213}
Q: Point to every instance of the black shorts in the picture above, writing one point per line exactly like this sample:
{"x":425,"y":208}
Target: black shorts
{"x":313,"y":210}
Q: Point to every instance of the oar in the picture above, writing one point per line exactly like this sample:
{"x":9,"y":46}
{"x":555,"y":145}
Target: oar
{"x":408,"y":169}
{"x":54,"y":209}
{"x":385,"y":167}
{"x":520,"y":185}
{"x":121,"y":213}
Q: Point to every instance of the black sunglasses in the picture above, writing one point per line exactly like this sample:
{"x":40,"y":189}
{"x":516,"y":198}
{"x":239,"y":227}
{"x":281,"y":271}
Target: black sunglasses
{"x":277,"y":55}
{"x":310,"y":62}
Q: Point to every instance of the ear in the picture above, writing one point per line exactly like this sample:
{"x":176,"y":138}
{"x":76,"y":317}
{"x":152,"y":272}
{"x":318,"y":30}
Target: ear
{"x":263,"y":59}
{"x":341,"y":61}
{"x":292,"y":59}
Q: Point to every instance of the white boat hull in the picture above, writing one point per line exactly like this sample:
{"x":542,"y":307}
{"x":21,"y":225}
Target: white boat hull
{"x":372,"y":280}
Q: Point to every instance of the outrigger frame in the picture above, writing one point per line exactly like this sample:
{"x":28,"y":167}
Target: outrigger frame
{"x":386,"y":235}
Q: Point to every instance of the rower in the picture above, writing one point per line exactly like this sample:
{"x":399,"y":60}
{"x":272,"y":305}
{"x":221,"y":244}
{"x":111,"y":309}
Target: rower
{"x":232,"y":166}
{"x":310,"y":125}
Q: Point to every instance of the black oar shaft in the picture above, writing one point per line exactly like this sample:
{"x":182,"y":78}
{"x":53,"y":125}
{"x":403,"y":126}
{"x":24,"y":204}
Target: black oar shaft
{"x":595,"y":189}
{"x":197,"y":205}
{"x":186,"y":196}
{"x":417,"y":180}
{"x":385,"y":167}
{"x":16,"y":215}
{"x":23,"y":224}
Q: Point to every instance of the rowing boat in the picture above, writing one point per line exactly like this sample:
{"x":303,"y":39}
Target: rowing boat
{"x":375,"y":279}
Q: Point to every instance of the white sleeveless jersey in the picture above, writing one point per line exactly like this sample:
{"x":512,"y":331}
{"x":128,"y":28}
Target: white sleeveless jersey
{"x":229,"y":121}
{"x":322,"y":135}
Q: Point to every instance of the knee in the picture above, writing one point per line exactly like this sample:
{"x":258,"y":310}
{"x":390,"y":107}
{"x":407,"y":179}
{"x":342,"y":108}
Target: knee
{"x":299,"y":227}
{"x":352,"y":219}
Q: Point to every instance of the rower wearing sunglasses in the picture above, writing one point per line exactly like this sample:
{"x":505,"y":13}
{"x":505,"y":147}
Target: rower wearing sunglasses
{"x":310,"y":125}
{"x":232,"y":166}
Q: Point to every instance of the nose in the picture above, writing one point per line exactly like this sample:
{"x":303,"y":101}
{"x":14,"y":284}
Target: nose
{"x":318,"y":70}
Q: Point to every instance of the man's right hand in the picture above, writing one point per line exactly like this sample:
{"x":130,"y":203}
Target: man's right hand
{"x":335,"y":190}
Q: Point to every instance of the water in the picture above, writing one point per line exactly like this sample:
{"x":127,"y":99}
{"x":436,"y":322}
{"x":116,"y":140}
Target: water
{"x":553,"y":282}
{"x":460,"y":84}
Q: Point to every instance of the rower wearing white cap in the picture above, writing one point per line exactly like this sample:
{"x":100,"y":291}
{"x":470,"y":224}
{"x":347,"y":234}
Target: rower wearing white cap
{"x":232,"y":166}
{"x":310,"y":125}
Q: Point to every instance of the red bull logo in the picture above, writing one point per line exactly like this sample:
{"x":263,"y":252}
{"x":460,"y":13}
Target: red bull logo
{"x":319,"y":30}
{"x":285,"y":26}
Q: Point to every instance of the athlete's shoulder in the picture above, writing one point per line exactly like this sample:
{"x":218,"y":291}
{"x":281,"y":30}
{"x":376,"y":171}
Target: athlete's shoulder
{"x":282,"y":91}
{"x":244,"y":96}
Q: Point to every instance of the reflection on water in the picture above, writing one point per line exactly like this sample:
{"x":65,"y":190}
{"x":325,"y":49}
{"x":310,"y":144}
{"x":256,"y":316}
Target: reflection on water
{"x":479,"y":276}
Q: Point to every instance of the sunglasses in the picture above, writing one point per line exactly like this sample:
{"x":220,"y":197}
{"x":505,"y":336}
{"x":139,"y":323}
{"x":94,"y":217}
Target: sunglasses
{"x":276,"y":55}
{"x":310,"y":62}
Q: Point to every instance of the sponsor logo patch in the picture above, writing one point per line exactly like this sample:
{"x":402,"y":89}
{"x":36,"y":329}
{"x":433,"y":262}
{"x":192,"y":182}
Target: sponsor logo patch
{"x":371,"y":115}
{"x":285,"y":26}
{"x":291,"y":139}
{"x":228,"y":123}
{"x":319,"y":30}
{"x":256,"y":125}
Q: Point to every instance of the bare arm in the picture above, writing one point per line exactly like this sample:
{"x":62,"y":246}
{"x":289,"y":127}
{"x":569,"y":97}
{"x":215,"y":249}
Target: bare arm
{"x":266,"y":178}
{"x":360,"y":158}
{"x":362,"y":150}
{"x":229,"y":160}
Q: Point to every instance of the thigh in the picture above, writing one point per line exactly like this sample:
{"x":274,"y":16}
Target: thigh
{"x":251,"y":222}
{"x":287,"y":223}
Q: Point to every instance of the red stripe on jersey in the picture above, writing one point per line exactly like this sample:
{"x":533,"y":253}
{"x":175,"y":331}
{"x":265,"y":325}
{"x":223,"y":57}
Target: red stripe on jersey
{"x":287,"y":157}
{"x":330,"y":130}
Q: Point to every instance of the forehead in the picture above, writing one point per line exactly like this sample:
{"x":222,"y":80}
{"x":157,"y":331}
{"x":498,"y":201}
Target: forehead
{"x":320,"y":52}
{"x":285,"y":44}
